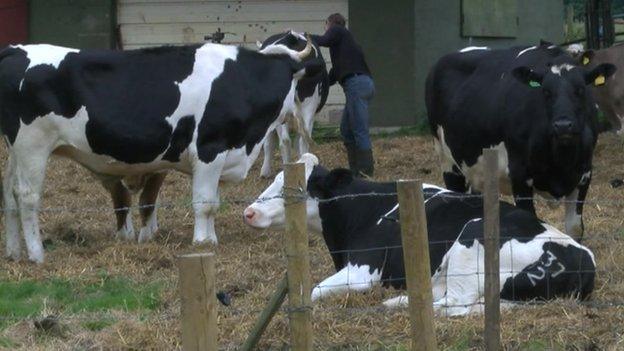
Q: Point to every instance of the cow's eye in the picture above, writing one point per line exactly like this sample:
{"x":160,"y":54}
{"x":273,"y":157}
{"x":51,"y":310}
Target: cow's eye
{"x":579,"y":91}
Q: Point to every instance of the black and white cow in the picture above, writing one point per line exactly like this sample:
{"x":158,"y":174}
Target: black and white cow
{"x":311,"y":95}
{"x":537,"y":261}
{"x":203,"y":110}
{"x":531,"y":103}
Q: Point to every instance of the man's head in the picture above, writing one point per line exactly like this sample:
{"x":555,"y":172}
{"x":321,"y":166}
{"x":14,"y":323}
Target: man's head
{"x":335,"y":19}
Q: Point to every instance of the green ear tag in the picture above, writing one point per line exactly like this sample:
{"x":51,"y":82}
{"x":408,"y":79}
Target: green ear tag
{"x":534,"y":84}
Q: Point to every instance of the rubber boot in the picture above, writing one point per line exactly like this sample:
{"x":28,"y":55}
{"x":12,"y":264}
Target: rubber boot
{"x":365,"y":163}
{"x":351,"y":156}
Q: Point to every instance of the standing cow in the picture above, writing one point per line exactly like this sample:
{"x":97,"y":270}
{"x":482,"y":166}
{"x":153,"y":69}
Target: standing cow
{"x":610,"y":98}
{"x":128,"y":113}
{"x":311,"y":95}
{"x":362,"y":234}
{"x":533,"y":105}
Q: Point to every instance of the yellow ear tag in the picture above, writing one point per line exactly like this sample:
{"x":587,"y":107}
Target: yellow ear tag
{"x":600,"y":80}
{"x":585,"y":60}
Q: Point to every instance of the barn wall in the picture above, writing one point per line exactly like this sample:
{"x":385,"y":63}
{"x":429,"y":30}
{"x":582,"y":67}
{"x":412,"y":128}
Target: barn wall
{"x":537,"y":19}
{"x":13,"y":22}
{"x":176,"y":22}
{"x":402,"y":39}
{"x":386,"y":34}
{"x":81,"y":24}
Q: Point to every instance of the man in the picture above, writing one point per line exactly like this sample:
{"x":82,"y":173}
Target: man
{"x":350,"y":70}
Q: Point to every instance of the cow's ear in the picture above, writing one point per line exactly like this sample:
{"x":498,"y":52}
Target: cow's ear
{"x":598,"y":76}
{"x":338,"y":178}
{"x":527,"y":76}
{"x":586,"y":57}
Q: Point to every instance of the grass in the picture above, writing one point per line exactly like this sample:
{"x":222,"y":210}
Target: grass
{"x":30,"y":298}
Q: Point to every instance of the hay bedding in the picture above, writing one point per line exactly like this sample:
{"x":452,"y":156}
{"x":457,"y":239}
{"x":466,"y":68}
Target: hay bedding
{"x":251,"y":262}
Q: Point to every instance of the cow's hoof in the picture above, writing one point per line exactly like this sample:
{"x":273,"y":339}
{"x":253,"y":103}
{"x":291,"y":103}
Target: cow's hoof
{"x":204,"y":241}
{"x":14,"y":256}
{"x":36,"y":258}
{"x":125,"y":234}
{"x":265,"y":174}
{"x":147,"y":234}
{"x":396,"y":302}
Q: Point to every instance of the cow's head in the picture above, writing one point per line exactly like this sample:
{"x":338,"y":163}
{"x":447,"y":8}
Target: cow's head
{"x":268,"y":210}
{"x":567,"y":97}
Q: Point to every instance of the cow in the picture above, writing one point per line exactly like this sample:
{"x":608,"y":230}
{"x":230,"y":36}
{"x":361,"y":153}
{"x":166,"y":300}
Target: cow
{"x":200,"y":109}
{"x":530,"y":103}
{"x":311,"y":95}
{"x":610,"y":97}
{"x":362,"y":234}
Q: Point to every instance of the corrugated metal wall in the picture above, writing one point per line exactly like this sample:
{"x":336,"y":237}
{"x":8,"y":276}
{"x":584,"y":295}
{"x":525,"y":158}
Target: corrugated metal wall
{"x":159,"y":22}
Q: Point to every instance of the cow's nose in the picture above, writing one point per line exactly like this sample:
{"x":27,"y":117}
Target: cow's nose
{"x":563,"y":127}
{"x":249,"y":213}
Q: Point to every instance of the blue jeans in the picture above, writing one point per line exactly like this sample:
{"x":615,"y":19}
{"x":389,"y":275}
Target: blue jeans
{"x":359,"y":91}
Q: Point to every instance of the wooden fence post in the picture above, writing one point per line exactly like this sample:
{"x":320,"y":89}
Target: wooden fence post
{"x":491,"y":232}
{"x":198,"y":302}
{"x":417,"y":265}
{"x":299,"y":281}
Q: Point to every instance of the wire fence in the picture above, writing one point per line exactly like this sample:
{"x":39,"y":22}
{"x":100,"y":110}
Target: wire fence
{"x":354,"y":282}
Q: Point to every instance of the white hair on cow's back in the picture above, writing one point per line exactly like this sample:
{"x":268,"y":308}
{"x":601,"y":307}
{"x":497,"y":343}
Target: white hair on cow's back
{"x":473,"y":48}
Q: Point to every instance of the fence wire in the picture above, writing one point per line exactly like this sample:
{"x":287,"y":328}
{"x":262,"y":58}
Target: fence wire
{"x":606,"y":274}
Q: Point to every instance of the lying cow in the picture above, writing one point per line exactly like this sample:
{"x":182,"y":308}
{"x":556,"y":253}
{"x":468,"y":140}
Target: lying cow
{"x":127,"y":113}
{"x":311,"y":95}
{"x":363,"y":236}
{"x":610,"y":97}
{"x":532,"y":104}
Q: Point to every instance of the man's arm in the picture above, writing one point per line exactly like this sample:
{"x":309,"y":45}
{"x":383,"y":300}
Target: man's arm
{"x":328,"y":39}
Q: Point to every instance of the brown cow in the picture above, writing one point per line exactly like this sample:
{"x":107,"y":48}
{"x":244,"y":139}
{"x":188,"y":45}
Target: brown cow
{"x":609,"y":97}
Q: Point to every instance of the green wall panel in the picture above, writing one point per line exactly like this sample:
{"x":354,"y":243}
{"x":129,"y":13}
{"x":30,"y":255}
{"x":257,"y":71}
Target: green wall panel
{"x":489,"y":18}
{"x":73,"y":23}
{"x":385,"y":30}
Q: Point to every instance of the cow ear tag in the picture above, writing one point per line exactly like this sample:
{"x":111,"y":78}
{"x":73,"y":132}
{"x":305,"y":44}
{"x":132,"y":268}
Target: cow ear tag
{"x":534,"y":84}
{"x":585,"y":60}
{"x":600,"y":80}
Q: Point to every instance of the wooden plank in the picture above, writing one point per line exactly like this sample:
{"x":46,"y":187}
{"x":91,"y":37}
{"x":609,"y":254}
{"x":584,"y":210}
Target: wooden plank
{"x":198,"y":301}
{"x":415,"y":243}
{"x":221,"y":12}
{"x":296,"y":239}
{"x":185,"y":33}
{"x":267,"y":314}
{"x":491,"y":232}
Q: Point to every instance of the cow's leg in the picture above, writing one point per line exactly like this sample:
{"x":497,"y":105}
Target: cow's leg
{"x":455,"y":180}
{"x":122,"y":200}
{"x":11,"y":213}
{"x":30,"y":165}
{"x":206,"y":197}
{"x":285,"y":143}
{"x":308,"y":120}
{"x":523,"y":194}
{"x":574,"y":208}
{"x":350,"y":278}
{"x":438,"y":287}
{"x":268,"y":147}
{"x":147,"y":202}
